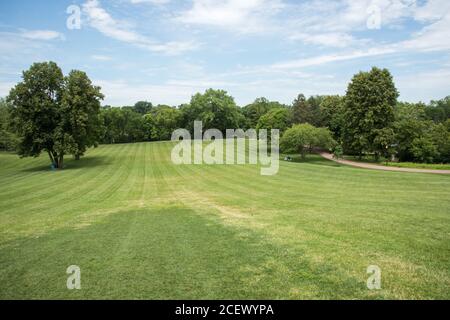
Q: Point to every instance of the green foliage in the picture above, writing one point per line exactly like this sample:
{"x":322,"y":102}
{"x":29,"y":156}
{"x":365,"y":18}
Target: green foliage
{"x":303,"y":137}
{"x":8,"y":140}
{"x":123,"y":125}
{"x":439,"y":111}
{"x":162,"y":121}
{"x":80,"y":108}
{"x":274,"y":119}
{"x":424,"y":149}
{"x":369,"y":105}
{"x":143,"y":107}
{"x":54,"y":113}
{"x":215,"y":108}
{"x":384,"y":143}
{"x":407,"y":111}
{"x":332,"y":114}
{"x":254,"y":111}
{"x":338,"y":152}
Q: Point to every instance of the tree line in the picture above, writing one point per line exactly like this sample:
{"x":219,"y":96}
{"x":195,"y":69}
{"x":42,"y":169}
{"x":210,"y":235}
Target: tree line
{"x":62,"y":115}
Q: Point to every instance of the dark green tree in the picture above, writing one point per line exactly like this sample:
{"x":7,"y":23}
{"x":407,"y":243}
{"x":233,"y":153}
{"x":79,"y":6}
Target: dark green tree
{"x":49,"y":114}
{"x":143,"y":107}
{"x":369,"y":106}
{"x":332,"y":115}
{"x":215,"y":108}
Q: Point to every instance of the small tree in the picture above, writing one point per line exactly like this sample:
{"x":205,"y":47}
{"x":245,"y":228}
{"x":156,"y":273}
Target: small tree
{"x":424,"y":149}
{"x":303,"y":137}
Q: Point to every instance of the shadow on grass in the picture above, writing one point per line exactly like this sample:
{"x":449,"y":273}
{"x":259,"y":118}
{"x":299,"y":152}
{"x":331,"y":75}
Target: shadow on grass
{"x":150,"y":254}
{"x":70,"y":164}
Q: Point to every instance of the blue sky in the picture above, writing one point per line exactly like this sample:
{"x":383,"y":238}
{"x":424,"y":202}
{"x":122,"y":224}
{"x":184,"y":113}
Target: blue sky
{"x":164,"y":51}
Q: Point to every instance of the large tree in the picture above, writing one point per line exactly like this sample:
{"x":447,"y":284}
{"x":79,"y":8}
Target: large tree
{"x":369,"y":106}
{"x":215,"y":108}
{"x":48,"y":112}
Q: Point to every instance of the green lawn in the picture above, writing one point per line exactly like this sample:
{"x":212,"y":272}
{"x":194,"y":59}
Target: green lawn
{"x":140,"y":227}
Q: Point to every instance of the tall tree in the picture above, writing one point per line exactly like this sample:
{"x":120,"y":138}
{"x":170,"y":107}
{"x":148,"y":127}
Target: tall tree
{"x":44,"y":110}
{"x":369,"y":105}
{"x":80,"y":110}
{"x":331,"y":114}
{"x":300,"y":110}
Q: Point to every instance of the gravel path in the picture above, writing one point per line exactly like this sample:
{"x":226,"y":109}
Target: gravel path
{"x":364,"y":165}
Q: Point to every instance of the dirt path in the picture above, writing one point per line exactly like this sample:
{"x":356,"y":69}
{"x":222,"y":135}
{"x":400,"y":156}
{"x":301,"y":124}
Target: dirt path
{"x":364,"y":165}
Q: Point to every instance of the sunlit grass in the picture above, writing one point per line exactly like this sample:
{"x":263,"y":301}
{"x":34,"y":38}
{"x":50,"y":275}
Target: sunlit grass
{"x":140,"y":227}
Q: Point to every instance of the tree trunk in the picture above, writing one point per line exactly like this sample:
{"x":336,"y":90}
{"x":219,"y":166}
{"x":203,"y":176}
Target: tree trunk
{"x":77,"y":157}
{"x":377,"y":157}
{"x":61,"y":162}
{"x":303,"y":153}
{"x":51,"y":158}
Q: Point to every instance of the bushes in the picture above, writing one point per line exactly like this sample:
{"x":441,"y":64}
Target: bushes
{"x":302,"y":138}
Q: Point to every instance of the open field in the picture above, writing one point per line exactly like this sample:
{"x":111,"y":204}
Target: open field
{"x":140,"y":227}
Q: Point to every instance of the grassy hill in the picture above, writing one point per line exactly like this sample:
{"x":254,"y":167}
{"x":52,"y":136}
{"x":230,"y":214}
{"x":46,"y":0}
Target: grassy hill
{"x":140,"y":227}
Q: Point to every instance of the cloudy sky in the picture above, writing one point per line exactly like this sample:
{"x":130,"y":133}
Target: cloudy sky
{"x":166,"y":50}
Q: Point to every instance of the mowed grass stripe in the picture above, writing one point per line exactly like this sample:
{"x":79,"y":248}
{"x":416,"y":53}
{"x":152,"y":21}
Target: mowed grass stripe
{"x":166,"y":231}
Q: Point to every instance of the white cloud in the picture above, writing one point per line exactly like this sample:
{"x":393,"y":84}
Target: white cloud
{"x":331,"y":39}
{"x":44,"y":35}
{"x":237,"y":15}
{"x":324,"y":59}
{"x":101,"y":20}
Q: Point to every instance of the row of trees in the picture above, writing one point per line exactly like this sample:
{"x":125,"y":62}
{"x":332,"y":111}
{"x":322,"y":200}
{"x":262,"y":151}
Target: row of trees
{"x":61,"y":115}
